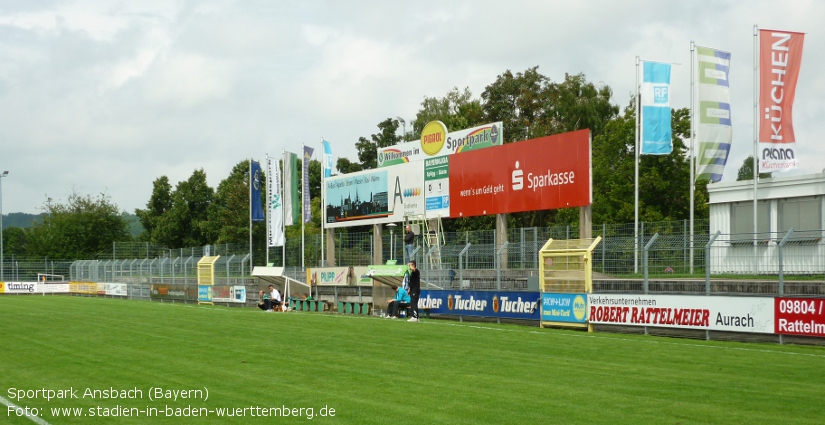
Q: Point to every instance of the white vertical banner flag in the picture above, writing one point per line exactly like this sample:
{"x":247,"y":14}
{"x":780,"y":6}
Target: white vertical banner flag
{"x":276,"y":206}
{"x":290,"y":188}
{"x":656,"y":130}
{"x":713,"y":131}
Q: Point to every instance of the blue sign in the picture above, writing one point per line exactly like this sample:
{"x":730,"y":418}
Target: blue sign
{"x":205,"y":293}
{"x":511,"y":305}
{"x":563,"y":307}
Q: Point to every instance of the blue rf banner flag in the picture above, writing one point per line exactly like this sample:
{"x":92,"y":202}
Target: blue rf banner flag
{"x":656,"y":136}
{"x":255,"y":179}
{"x":327,"y":160}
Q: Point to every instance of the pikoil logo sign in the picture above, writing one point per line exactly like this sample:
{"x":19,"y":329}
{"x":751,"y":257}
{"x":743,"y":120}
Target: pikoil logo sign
{"x":432,"y":137}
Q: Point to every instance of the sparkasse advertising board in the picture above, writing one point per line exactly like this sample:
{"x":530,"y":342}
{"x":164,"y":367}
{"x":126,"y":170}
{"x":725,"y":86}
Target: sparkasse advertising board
{"x":539,"y":174}
{"x":715,"y":313}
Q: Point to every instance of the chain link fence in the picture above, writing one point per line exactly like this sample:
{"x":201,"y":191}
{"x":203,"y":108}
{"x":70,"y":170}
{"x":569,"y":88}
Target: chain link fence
{"x":664,"y":249}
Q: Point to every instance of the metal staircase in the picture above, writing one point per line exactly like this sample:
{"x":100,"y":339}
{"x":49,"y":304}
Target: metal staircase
{"x":432,"y":232}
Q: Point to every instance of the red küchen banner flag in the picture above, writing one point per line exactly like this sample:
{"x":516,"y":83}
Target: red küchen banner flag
{"x":780,"y":56}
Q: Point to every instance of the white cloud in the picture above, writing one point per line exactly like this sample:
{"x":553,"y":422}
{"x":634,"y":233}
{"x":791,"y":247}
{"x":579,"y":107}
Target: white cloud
{"x":110,"y":96}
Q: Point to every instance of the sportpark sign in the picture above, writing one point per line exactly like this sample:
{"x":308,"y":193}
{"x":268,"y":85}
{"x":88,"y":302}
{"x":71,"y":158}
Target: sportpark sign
{"x":435,"y":141}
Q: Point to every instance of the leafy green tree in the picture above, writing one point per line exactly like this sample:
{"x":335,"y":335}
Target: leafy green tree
{"x":81,"y":228}
{"x":575,"y":104}
{"x":663,"y":179}
{"x":185,"y":224}
{"x":159,"y":203}
{"x":345,"y":166}
{"x":746,"y":171}
{"x":15,"y":241}
{"x":530,"y":105}
{"x":368,"y":148}
{"x":228,"y":213}
{"x":457,"y":110}
{"x":515,"y":100}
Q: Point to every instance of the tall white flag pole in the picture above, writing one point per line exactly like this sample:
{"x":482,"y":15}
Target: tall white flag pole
{"x":283,"y":209}
{"x":692,"y":144}
{"x":636,"y":186}
{"x":303,"y":213}
{"x":323,"y":208}
{"x":755,"y":139}
{"x":268,"y":205}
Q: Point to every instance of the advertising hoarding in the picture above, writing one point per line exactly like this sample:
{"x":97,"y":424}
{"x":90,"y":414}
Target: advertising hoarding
{"x":502,"y":304}
{"x":239,"y":294}
{"x":338,"y":276}
{"x":539,"y":174}
{"x":437,"y":186}
{"x":205,"y":293}
{"x":375,"y":196}
{"x":221,"y":294}
{"x":435,"y":141}
{"x":116,"y":289}
{"x":571,"y":308}
{"x":716,"y":313}
{"x":800,"y":316}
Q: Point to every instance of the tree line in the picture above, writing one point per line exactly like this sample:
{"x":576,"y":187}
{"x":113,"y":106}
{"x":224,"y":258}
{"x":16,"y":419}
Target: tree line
{"x":530,"y":105}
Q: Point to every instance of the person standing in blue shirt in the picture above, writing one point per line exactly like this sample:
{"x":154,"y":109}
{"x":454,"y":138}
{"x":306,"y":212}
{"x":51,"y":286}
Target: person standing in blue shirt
{"x":401,"y":301}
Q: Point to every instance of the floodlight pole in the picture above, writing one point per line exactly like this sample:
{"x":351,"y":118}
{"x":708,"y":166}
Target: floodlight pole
{"x":2,"y":260}
{"x":392,"y":227}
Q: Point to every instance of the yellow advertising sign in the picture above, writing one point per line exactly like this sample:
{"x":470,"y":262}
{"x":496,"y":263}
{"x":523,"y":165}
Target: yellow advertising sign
{"x":83,"y":287}
{"x":433,"y":137}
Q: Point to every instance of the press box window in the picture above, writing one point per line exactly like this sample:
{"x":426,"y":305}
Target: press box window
{"x":741,"y":216}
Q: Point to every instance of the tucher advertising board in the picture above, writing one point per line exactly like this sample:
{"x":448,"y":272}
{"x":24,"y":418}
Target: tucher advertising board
{"x":501,"y":304}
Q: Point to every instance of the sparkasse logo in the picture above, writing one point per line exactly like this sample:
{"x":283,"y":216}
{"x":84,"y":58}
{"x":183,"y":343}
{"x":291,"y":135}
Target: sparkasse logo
{"x":518,"y":178}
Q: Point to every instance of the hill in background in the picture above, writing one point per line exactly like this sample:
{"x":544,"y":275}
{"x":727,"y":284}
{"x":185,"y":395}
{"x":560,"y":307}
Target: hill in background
{"x":25,"y":221}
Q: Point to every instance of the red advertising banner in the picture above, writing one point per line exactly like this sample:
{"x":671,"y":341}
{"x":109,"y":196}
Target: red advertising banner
{"x":800,"y":316}
{"x":538,"y":174}
{"x":780,"y":56}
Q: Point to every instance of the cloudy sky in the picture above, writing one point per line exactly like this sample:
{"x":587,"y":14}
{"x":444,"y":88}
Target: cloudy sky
{"x":104,"y":96}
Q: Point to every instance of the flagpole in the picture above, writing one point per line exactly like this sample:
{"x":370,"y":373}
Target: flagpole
{"x":692,"y":144}
{"x":250,"y":216}
{"x":755,"y":140}
{"x":283,"y":209}
{"x":303,"y":212}
{"x":323,"y":208}
{"x":636,"y":184}
{"x":268,"y":206}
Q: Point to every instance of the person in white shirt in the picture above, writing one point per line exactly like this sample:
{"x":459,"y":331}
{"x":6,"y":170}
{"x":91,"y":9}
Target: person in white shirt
{"x":274,"y":298}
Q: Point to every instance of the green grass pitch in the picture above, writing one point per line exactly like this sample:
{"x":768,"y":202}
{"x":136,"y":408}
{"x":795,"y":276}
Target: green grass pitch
{"x":372,"y":370}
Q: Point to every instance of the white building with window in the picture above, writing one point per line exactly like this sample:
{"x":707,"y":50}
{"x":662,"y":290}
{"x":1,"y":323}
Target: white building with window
{"x":783,"y":203}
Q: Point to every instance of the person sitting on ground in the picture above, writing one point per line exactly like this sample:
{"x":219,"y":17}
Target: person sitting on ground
{"x":274,"y":298}
{"x":263,"y":300}
{"x":401,"y":301}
